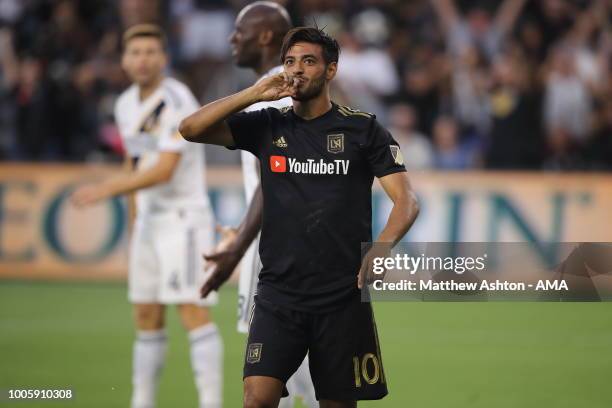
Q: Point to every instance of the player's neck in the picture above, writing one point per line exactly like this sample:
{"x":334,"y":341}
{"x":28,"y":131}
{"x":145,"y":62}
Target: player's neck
{"x":312,"y":108}
{"x":146,"y":90}
{"x":266,"y":64}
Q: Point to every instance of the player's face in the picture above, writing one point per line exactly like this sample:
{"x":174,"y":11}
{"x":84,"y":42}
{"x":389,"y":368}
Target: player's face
{"x":245,"y":49}
{"x":304,"y":61}
{"x":144,"y":60}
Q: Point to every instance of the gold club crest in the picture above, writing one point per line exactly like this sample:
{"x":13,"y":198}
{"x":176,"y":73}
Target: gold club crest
{"x":254,"y":353}
{"x":335,"y":143}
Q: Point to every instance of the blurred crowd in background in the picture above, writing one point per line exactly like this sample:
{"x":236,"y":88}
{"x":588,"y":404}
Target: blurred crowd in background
{"x":495,"y":84}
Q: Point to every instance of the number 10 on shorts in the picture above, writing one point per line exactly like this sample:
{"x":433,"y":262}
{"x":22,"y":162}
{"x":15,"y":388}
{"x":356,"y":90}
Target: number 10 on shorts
{"x":367,"y":368}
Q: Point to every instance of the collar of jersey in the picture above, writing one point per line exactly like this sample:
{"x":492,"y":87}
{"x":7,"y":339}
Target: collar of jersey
{"x":154,"y":98}
{"x":325,"y":115}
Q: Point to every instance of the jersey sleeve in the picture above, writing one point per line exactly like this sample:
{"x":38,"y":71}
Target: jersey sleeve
{"x":170,"y":140}
{"x":249,"y":129}
{"x":383,"y":152}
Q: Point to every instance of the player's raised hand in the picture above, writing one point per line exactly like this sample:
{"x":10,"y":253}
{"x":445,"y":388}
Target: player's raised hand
{"x":366,"y":273}
{"x":276,"y":87}
{"x":221,"y":262}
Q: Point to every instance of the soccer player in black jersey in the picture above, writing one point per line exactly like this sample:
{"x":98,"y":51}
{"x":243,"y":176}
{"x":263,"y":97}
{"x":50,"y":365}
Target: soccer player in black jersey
{"x":318,"y":161}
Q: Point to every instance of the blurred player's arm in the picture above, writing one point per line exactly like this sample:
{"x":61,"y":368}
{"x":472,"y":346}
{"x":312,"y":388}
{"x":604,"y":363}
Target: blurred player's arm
{"x":405,"y":210}
{"x":447,"y":13}
{"x":207,"y":125}
{"x":129,"y":182}
{"x":8,"y":59}
{"x":507,"y":14}
{"x":128,"y":167}
{"x":226,"y":256}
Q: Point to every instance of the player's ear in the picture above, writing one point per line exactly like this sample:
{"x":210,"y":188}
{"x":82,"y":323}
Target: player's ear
{"x":124,"y":62}
{"x":265,"y":37}
{"x":164,"y":57}
{"x":330,"y":71}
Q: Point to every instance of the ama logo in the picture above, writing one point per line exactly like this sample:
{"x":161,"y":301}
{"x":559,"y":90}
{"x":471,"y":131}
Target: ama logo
{"x":278,"y":164}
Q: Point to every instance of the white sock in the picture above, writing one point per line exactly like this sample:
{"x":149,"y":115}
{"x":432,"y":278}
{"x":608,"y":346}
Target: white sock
{"x":148,"y":361}
{"x":207,"y":364}
{"x":300,"y":385}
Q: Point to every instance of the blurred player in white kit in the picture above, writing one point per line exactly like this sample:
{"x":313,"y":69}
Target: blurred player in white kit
{"x":173,"y":224}
{"x":256,"y":42}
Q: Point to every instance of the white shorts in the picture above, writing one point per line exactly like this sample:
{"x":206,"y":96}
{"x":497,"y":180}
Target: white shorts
{"x":247,"y":285}
{"x":166,"y":263}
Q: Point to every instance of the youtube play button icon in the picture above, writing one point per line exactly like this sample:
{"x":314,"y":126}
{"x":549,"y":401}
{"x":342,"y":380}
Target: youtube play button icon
{"x":278,"y":164}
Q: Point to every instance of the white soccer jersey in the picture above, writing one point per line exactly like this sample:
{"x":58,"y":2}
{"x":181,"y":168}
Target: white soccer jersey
{"x":251,"y":263}
{"x":174,"y":224}
{"x":150,"y":127}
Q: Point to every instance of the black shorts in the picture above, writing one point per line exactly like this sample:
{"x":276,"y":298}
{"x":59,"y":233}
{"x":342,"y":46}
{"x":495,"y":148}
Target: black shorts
{"x":344,"y":355}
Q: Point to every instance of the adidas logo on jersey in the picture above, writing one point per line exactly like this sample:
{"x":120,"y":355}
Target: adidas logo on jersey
{"x":280,"y":142}
{"x":278,"y":164}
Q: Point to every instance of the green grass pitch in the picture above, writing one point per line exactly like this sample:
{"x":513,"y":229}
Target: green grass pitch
{"x":79,"y":336}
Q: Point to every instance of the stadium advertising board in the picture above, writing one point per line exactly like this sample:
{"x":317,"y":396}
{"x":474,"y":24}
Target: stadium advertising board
{"x":43,"y":236}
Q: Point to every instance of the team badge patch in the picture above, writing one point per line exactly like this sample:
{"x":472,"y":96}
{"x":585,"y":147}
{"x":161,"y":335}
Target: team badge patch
{"x":396,"y":153}
{"x":335,"y":143}
{"x":254,"y":353}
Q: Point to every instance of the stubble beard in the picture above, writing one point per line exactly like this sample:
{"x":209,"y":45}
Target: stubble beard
{"x":313,"y":91}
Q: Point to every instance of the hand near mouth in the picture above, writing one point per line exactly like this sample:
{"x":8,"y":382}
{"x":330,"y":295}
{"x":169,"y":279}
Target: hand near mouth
{"x":277,"y":87}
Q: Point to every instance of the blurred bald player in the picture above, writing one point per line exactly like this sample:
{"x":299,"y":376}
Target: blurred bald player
{"x":256,"y":41}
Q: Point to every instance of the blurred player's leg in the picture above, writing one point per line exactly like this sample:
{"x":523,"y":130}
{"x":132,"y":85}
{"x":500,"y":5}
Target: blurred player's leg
{"x":206,"y":354}
{"x":300,"y":385}
{"x":179,"y":244}
{"x":149,"y":351}
{"x":287,"y":402}
{"x":149,"y":354}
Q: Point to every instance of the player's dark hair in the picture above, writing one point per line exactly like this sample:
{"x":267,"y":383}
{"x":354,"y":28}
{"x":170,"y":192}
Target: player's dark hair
{"x":145,"y":30}
{"x":312,"y":35}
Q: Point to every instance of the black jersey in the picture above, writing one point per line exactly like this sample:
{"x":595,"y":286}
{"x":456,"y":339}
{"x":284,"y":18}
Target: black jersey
{"x":316,"y":178}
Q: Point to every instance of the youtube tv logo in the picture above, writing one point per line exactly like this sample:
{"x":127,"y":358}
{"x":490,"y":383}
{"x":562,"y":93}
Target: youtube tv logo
{"x":278,"y":164}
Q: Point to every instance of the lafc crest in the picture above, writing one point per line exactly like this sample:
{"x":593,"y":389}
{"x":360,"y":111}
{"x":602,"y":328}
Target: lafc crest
{"x":254,"y":353}
{"x":396,"y":153}
{"x":335,"y":143}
